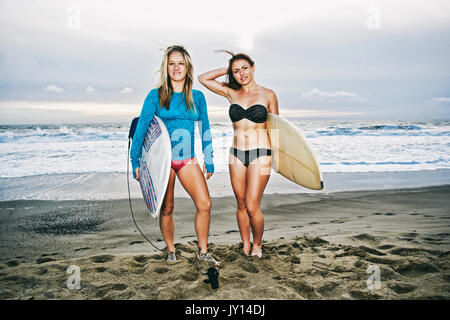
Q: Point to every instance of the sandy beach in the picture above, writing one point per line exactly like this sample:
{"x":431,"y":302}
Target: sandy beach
{"x":382,"y":244}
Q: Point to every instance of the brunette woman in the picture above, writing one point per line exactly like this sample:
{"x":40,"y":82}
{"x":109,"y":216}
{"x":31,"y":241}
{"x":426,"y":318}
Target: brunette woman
{"x":250,"y":155}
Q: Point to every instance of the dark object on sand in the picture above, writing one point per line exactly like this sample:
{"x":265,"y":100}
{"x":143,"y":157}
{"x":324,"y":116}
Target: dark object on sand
{"x":213,"y":278}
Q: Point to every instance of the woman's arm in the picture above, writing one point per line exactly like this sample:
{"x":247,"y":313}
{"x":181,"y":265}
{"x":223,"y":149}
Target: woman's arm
{"x":206,"y":136}
{"x":148,"y":110}
{"x":208,"y":79}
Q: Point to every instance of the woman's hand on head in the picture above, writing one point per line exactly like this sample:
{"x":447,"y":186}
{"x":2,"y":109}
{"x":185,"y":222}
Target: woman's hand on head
{"x":208,"y":79}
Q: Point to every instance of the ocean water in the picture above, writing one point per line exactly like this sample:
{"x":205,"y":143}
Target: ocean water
{"x":340,"y":146}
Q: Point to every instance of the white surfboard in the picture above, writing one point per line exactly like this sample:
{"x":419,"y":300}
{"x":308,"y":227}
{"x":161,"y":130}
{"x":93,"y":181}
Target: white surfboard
{"x":292,"y":157}
{"x":155,"y":162}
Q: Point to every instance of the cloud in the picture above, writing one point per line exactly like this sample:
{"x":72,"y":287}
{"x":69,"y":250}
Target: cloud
{"x":442,"y":100}
{"x":90,"y":90}
{"x":53,"y":88}
{"x":126,"y":91}
{"x":317,"y":95}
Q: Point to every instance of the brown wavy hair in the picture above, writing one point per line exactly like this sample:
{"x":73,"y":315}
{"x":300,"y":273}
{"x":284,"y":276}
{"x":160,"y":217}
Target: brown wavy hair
{"x":231,"y":81}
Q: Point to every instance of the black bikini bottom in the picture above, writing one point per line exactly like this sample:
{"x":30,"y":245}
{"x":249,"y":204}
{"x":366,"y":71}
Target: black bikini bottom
{"x":247,"y":156}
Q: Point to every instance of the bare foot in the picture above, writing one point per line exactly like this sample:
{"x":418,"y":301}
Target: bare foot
{"x":246,"y":249}
{"x":257,"y":251}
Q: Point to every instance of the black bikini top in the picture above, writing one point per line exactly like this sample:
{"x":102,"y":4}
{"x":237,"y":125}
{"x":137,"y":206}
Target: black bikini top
{"x":256,"y":113}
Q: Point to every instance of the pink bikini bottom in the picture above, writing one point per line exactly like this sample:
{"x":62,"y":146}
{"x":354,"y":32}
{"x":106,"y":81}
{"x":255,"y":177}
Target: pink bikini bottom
{"x":178,"y":164}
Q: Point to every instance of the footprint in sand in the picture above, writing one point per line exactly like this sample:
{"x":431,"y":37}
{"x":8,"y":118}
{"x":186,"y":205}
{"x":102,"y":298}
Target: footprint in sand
{"x":136,"y":242}
{"x":103,"y":290}
{"x":363,"y":294}
{"x":41,"y":271}
{"x":381,"y":260}
{"x":405,"y":252}
{"x":250,"y":267}
{"x":401,"y":288}
{"x":303,"y":288}
{"x":12,"y":263}
{"x":141,"y":259}
{"x":102,"y":258}
{"x":432,"y":240}
{"x":44,"y":260}
{"x":372,"y":251}
{"x":190,"y":276}
{"x":161,"y":270}
{"x":386,"y":247}
{"x":100,"y":269}
{"x":295,"y":260}
{"x":358,"y":264}
{"x":327,"y":289}
{"x":415,"y":268}
{"x":188,"y":236}
{"x":49,"y":254}
{"x":383,"y":213}
{"x":232,"y":256}
{"x":408,"y":236}
{"x":367,"y":237}
{"x":337,"y":221}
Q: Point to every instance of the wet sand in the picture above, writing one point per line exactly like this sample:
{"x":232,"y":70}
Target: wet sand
{"x":316,"y":246}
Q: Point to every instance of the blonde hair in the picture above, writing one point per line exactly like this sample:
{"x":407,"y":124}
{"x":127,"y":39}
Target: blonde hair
{"x":165,"y":89}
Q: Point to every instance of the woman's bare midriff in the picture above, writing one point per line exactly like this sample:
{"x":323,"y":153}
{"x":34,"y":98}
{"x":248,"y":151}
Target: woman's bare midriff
{"x":250,"y":135}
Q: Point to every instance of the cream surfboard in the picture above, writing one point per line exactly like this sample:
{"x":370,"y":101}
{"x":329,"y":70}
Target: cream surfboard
{"x":155,"y":161}
{"x":292,"y":157}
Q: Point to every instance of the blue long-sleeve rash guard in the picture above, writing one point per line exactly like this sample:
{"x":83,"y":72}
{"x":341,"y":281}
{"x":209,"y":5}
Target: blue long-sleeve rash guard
{"x":180,"y":124}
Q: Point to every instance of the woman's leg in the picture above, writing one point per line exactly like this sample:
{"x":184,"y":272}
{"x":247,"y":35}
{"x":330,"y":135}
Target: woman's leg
{"x":193,"y":181}
{"x":238,"y":174}
{"x":258,"y":174}
{"x":165,"y":217}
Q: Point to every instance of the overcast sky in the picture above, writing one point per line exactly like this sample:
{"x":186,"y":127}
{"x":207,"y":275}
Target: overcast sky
{"x":83,"y":61}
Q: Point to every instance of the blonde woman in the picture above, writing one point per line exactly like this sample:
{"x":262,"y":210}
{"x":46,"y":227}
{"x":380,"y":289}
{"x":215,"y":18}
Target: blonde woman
{"x":179,"y":106}
{"x":250,"y":156}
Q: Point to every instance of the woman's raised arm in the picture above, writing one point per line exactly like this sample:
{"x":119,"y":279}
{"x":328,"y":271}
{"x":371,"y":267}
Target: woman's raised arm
{"x":208,"y":79}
